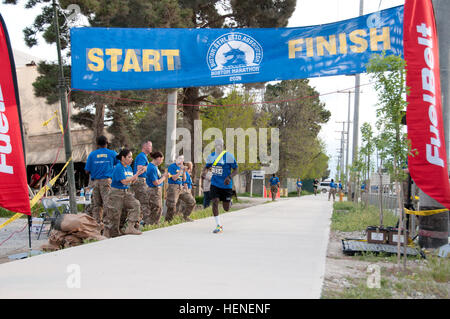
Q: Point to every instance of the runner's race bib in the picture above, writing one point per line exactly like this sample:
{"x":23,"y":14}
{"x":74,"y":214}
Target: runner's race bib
{"x":217,"y":170}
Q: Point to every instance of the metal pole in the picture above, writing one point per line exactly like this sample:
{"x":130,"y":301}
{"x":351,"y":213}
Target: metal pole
{"x":348,"y":140}
{"x":442,"y":12}
{"x":356,"y":112}
{"x":171,"y":126}
{"x":65,"y":118}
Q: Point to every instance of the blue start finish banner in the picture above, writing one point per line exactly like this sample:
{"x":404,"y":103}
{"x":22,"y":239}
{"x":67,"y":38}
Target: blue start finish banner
{"x":129,"y":59}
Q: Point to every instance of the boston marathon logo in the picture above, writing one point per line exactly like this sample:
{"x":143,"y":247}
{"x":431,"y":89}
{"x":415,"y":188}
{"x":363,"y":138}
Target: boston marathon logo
{"x":234,"y":54}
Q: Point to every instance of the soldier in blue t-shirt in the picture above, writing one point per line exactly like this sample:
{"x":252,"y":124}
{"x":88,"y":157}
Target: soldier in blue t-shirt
{"x":121,"y":205}
{"x":155,"y":182}
{"x":177,"y":175}
{"x":187,"y":189}
{"x":332,"y":191}
{"x":274,"y":184}
{"x":299,"y":185}
{"x":100,"y":164}
{"x":224,"y":168}
{"x":139,"y":188}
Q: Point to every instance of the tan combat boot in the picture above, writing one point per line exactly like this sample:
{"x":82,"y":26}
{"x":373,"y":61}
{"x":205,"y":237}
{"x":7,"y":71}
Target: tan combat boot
{"x":131,"y":230}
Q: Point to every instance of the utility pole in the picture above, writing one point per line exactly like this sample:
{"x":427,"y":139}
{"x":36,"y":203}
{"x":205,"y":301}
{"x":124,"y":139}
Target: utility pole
{"x":65,"y":118}
{"x":356,"y":110}
{"x":348,"y":139}
{"x":171,"y":126}
{"x":341,"y":150}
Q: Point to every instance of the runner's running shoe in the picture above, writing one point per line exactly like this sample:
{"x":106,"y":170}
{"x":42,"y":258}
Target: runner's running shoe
{"x":219,"y":229}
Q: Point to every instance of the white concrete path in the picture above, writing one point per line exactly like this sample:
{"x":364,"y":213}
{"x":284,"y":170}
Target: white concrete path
{"x":274,"y":250}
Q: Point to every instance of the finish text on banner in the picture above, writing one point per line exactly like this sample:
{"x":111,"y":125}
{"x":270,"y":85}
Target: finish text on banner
{"x":126,"y":59}
{"x":428,"y":167}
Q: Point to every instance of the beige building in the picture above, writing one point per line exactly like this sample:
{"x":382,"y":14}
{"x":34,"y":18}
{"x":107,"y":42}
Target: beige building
{"x":44,"y":144}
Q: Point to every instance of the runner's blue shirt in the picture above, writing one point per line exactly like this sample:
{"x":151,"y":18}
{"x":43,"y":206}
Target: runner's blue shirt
{"x":222,"y":169}
{"x":100,"y":163}
{"x":274,"y":181}
{"x":173,"y":170}
{"x":121,"y":172}
{"x":141,"y":159}
{"x":152,"y":174}
{"x":299,"y":184}
{"x":188,"y":180}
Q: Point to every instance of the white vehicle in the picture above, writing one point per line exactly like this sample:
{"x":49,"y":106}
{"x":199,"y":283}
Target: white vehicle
{"x":324,"y":186}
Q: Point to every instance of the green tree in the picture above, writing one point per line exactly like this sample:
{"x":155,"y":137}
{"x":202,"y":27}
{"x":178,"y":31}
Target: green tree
{"x":298,"y":115}
{"x":388,"y":72}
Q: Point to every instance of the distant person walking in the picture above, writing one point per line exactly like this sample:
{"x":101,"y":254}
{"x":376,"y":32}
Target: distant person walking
{"x":332,"y":191}
{"x":155,"y":182}
{"x":299,"y":186}
{"x":274,"y":185}
{"x":122,"y":207}
{"x":100,"y":165}
{"x":316,"y":186}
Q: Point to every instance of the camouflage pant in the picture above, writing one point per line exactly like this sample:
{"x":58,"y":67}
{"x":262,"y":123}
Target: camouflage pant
{"x":181,"y":205}
{"x":100,"y":191}
{"x":299,"y":191}
{"x":121,"y":207}
{"x":274,"y":191}
{"x":140,"y":190}
{"x":155,"y":205}
{"x":332,"y":192}
{"x":175,"y":193}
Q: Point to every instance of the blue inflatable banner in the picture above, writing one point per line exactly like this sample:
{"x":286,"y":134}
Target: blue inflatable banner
{"x":128,"y":59}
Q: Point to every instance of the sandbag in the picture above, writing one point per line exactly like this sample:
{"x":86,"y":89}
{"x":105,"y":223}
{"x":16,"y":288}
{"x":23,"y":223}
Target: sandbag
{"x":72,"y":240}
{"x":80,"y":225}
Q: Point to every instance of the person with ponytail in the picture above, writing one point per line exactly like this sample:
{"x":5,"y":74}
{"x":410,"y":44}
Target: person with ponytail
{"x":122,"y":207}
{"x":155,"y":182}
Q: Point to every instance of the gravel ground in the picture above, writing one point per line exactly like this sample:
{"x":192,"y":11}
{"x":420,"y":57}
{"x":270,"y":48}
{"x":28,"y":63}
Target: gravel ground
{"x":17,"y":232}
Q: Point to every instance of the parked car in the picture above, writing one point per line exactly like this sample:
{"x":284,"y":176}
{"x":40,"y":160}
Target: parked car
{"x":324,"y":186}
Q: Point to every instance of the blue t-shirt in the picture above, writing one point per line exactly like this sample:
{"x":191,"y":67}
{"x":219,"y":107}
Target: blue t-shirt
{"x":222,"y":169}
{"x":152,"y":174}
{"x":274,"y":181}
{"x":333,"y":185}
{"x":299,"y":184}
{"x":173,"y":170}
{"x":141,"y":159}
{"x":340,"y":186}
{"x":121,"y":172}
{"x":100,"y":163}
{"x":188,"y":181}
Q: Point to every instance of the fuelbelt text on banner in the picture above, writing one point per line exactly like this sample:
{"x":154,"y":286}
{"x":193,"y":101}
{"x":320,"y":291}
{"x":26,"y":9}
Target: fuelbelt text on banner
{"x":126,"y":59}
{"x":13,"y":178}
{"x":424,"y":119}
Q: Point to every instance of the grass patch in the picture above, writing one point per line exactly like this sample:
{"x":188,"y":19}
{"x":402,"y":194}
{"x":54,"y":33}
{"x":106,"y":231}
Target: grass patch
{"x":247,"y":194}
{"x":358,"y":218}
{"x":429,"y":280}
{"x":303,"y":193}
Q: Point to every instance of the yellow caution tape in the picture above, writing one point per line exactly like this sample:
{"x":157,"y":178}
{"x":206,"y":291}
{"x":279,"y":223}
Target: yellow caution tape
{"x":59,"y":121}
{"x":37,"y":197}
{"x":48,"y":186}
{"x":425,"y":212}
{"x":16,"y":216}
{"x":49,"y":120}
